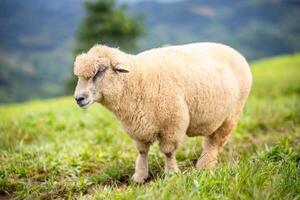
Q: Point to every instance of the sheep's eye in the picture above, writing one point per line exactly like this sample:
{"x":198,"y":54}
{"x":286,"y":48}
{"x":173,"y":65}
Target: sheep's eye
{"x":99,"y":73}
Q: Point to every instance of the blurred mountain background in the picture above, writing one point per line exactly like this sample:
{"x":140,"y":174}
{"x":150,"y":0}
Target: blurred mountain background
{"x":37,"y":36}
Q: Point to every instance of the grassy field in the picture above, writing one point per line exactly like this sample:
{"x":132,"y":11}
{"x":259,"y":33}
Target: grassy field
{"x":52,"y":149}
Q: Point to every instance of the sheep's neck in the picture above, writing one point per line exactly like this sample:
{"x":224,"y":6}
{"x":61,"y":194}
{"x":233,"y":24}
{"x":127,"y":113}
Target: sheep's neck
{"x":129,"y":102}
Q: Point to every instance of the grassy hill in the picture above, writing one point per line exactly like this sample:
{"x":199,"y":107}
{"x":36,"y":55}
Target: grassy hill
{"x":51,"y":149}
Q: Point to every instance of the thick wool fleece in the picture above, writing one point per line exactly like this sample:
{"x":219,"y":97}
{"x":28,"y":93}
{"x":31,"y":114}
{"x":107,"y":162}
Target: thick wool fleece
{"x":173,"y":92}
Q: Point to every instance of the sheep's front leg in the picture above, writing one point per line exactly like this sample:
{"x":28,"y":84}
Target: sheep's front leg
{"x":141,"y":166}
{"x":168,"y":145}
{"x":170,"y":152}
{"x":171,"y":139}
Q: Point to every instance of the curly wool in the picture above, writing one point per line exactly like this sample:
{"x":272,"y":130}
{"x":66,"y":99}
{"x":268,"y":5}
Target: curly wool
{"x":86,"y":65}
{"x":174,"y":92}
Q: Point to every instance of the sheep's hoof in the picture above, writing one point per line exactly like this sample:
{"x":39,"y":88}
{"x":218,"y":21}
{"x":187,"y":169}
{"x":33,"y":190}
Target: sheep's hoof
{"x":206,"y":164}
{"x":173,"y":170}
{"x":139,"y":178}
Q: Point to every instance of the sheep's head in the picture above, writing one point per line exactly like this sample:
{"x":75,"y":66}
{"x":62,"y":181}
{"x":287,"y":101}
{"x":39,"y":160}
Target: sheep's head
{"x":98,"y":77}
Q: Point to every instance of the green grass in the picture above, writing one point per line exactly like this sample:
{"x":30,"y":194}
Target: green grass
{"x":52,"y":149}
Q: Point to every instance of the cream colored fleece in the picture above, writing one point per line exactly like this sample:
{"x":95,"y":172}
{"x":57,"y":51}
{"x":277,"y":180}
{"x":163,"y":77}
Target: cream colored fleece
{"x":173,"y":92}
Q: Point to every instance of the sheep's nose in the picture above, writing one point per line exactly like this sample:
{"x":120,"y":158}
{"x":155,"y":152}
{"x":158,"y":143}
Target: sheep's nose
{"x":79,"y":99}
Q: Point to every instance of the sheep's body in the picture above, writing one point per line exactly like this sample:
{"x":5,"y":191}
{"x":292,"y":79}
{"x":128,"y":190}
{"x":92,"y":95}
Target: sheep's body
{"x":201,"y":85}
{"x":171,"y":92}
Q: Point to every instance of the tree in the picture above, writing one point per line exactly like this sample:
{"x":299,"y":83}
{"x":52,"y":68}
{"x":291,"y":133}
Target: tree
{"x":109,"y":24}
{"x":106,"y":23}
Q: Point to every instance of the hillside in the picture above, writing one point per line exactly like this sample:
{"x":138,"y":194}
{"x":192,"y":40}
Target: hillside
{"x":36,"y":40}
{"x":37,"y":37}
{"x":46,"y":152}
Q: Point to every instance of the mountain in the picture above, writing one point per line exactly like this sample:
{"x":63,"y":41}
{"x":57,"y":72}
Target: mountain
{"x":257,"y":28}
{"x":37,"y":37}
{"x":36,"y":42}
{"x":131,"y":2}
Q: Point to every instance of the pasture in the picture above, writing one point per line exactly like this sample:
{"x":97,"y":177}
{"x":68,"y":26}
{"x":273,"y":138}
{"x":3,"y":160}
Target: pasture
{"x":52,"y":149}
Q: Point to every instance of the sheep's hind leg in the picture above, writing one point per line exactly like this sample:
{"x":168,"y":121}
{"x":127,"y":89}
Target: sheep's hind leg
{"x":141,"y":166}
{"x":213,"y":145}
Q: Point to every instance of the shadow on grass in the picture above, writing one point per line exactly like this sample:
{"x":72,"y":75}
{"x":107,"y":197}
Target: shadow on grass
{"x":117,"y":177}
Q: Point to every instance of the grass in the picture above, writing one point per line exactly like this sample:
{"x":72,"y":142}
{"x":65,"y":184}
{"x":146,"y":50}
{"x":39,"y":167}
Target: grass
{"x":52,"y":149}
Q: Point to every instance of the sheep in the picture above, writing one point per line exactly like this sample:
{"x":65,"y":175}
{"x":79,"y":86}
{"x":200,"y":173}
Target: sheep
{"x":166,"y":94}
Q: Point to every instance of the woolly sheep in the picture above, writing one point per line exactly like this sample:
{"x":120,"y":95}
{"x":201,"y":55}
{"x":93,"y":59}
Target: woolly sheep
{"x":166,"y":94}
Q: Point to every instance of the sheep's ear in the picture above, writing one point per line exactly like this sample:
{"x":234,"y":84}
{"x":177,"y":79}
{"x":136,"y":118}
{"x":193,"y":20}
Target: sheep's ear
{"x":120,"y":68}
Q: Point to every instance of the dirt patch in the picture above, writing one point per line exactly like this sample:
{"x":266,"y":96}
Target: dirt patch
{"x":4,"y":196}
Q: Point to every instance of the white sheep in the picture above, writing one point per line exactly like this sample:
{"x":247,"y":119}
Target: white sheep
{"x":166,"y":94}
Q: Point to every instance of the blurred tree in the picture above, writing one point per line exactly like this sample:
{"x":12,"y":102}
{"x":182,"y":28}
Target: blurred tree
{"x":106,"y":23}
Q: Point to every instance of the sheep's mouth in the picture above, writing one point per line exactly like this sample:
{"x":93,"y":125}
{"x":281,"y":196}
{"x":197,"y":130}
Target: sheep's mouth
{"x":85,"y":105}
